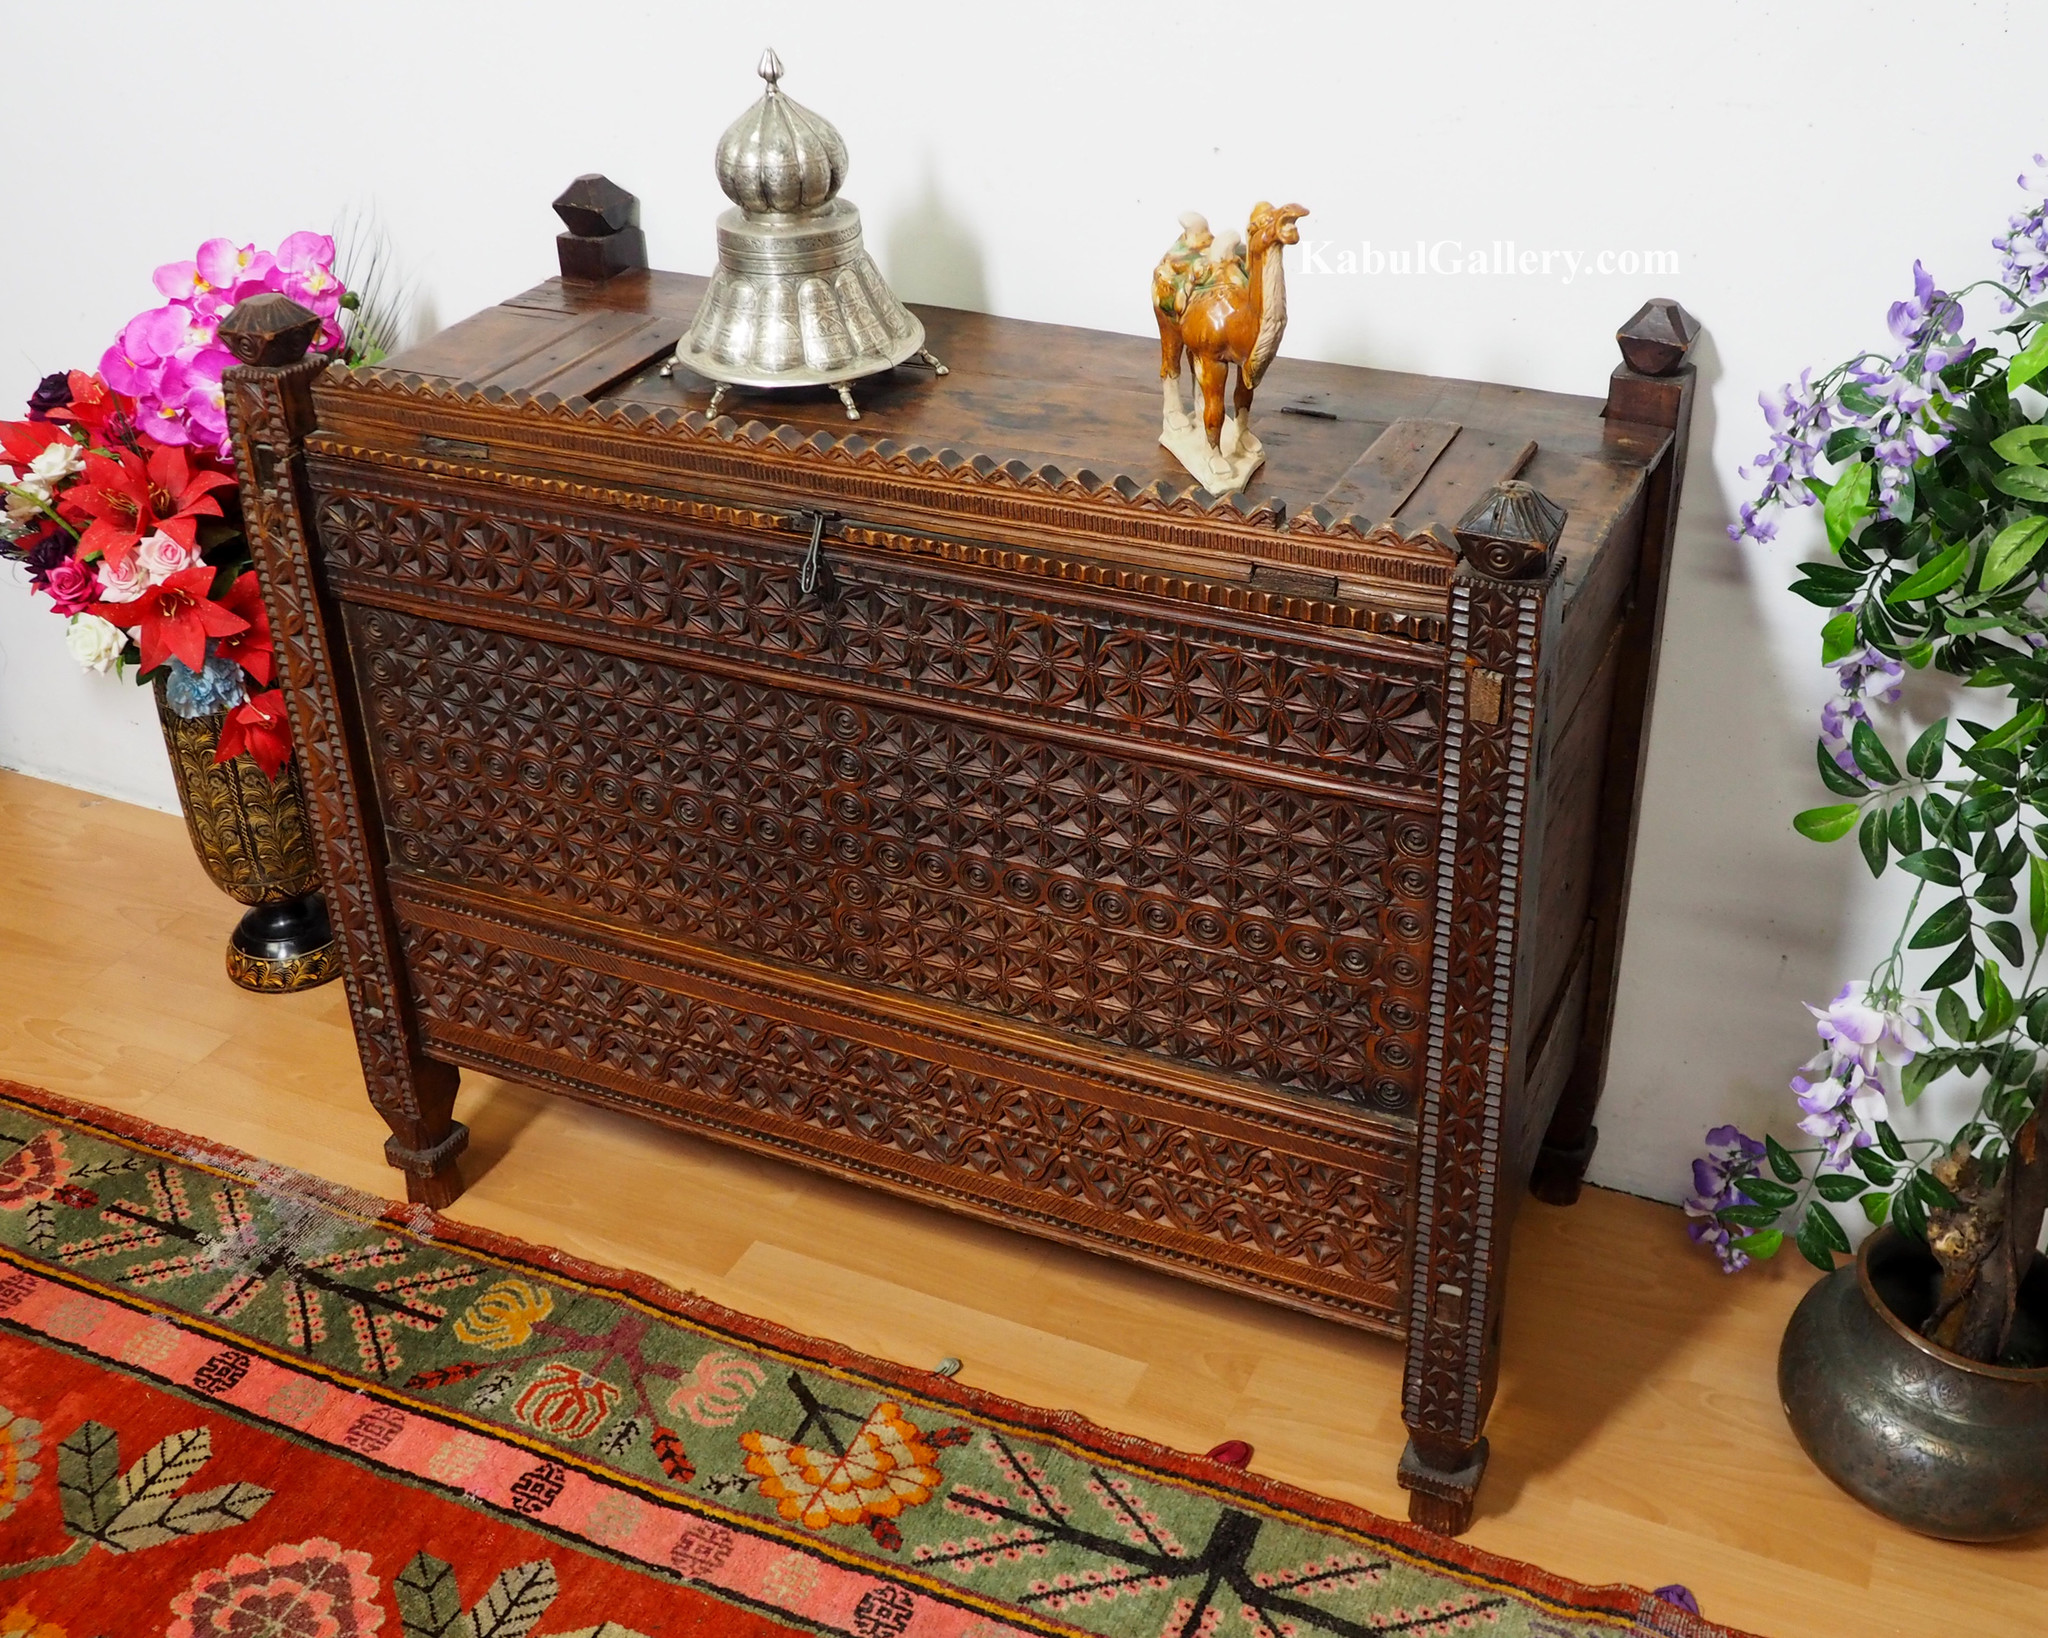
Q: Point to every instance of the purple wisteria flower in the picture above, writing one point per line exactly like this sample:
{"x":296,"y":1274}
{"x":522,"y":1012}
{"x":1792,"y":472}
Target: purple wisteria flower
{"x":1863,"y":676}
{"x":2024,"y":248}
{"x":1844,"y":1090}
{"x":1731,"y":1156}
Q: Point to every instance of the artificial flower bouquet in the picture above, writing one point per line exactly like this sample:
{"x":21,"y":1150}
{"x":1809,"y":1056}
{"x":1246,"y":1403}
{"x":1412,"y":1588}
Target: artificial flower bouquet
{"x":1929,"y":464}
{"x":121,"y":505}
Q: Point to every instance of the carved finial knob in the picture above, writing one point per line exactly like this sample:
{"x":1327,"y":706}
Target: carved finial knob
{"x":1657,"y":338}
{"x":595,"y":206}
{"x":770,"y":68}
{"x":269,"y":329}
{"x":1512,"y":532}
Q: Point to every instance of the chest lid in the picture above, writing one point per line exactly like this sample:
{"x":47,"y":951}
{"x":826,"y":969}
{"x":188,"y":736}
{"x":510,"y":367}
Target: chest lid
{"x":1041,"y":435}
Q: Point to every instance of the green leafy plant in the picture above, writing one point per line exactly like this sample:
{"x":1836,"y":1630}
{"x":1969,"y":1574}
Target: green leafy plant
{"x":1930,"y":469}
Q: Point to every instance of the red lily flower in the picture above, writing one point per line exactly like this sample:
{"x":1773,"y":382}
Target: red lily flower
{"x":22,"y":441}
{"x":94,"y":405}
{"x":252,"y":649}
{"x":176,"y":618}
{"x":126,"y":500}
{"x":259,"y":726}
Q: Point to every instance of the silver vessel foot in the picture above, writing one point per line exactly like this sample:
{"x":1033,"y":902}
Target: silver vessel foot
{"x":717,"y":397}
{"x":931,"y":358}
{"x":667,"y":369}
{"x":846,"y":397}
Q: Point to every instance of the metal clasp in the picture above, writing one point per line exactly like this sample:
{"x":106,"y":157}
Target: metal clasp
{"x":814,"y":574}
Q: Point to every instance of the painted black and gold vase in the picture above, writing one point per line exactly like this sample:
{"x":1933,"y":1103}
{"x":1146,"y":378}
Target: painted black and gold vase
{"x":250,"y":834}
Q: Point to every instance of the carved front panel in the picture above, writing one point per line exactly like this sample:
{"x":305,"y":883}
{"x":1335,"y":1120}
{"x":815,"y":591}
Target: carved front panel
{"x":1370,"y":716}
{"x":1258,"y":930}
{"x":1320,"y":1219}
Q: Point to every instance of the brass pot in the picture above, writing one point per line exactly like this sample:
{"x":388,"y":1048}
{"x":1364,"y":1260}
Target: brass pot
{"x":1936,"y":1442}
{"x":250,"y":834}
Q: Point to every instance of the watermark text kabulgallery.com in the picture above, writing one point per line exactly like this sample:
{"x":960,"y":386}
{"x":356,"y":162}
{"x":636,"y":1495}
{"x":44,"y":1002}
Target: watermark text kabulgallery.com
{"x":1497,"y":258}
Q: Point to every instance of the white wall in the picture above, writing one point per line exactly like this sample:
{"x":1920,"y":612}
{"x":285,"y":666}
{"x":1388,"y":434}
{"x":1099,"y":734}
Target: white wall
{"x":1030,"y":161}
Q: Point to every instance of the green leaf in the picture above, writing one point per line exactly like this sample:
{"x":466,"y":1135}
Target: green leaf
{"x":1874,"y":841}
{"x":1909,"y":1216}
{"x":1826,"y":1229}
{"x":1764,"y":1243}
{"x":1838,"y":636}
{"x":1935,"y":864}
{"x":516,"y":1601}
{"x":2011,"y":550}
{"x":1996,"y":894}
{"x":165,"y":1467}
{"x":1877,"y":1206}
{"x":1838,"y":1187}
{"x":1935,"y":578}
{"x":1996,"y":998}
{"x":1954,"y":1018}
{"x":2029,"y":362}
{"x":1749,"y":1216}
{"x":1934,"y":1193}
{"x":1765,"y":1192}
{"x":2037,"y":895}
{"x":1871,"y":756}
{"x":1888,"y":1141}
{"x":2015,"y":732}
{"x":2006,"y":938}
{"x":1782,"y":1160}
{"x":2023,"y":445}
{"x":1944,"y":927}
{"x":89,"y":1478}
{"x":428,"y":1603}
{"x":1836,"y":777}
{"x":1904,"y":826}
{"x":1955,"y":967}
{"x":1879,"y":1170}
{"x":1940,"y":812}
{"x":2027,"y":483}
{"x":1812,"y":1245}
{"x":1860,"y":399}
{"x":1828,"y":824}
{"x":168,"y":1518}
{"x":1848,"y":504}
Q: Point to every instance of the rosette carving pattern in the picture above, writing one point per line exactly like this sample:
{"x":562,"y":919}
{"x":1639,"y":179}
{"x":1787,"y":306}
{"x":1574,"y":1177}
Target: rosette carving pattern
{"x":1261,"y":931}
{"x":1261,"y":697}
{"x":1078,"y":1158}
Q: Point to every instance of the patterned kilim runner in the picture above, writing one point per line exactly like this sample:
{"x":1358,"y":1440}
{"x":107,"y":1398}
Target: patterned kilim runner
{"x":237,"y":1402}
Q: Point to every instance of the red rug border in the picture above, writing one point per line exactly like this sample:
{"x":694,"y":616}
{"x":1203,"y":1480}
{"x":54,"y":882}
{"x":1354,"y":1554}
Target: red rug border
{"x":1615,"y":1600}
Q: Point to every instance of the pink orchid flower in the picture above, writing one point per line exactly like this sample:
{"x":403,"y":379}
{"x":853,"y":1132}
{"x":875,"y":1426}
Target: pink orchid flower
{"x":135,"y":363}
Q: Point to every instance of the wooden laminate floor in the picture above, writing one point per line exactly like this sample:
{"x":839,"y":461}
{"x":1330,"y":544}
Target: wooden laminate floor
{"x":1637,"y":1435}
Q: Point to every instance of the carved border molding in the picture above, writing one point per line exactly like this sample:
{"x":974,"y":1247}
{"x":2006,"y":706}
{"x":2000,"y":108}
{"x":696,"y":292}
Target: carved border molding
{"x":1484,"y":841}
{"x":1107,"y":506}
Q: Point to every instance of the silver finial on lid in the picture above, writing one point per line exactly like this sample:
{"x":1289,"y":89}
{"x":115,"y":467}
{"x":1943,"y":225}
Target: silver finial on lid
{"x":779,"y":157}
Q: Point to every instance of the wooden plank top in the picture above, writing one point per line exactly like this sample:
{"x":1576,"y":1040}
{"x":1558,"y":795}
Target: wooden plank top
{"x":1366,"y":447}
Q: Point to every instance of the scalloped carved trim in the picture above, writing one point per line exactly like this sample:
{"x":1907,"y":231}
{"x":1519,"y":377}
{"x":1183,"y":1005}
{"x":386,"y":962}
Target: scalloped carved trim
{"x":1235,"y":522}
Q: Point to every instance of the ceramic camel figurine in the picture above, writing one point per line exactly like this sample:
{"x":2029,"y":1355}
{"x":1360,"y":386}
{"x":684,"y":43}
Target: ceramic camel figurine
{"x":1221,"y":308}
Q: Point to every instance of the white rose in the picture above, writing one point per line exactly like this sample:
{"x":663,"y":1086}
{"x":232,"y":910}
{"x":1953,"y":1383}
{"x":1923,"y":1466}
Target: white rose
{"x":159,"y":557}
{"x":95,"y":643}
{"x":21,"y":507}
{"x":52,"y":467}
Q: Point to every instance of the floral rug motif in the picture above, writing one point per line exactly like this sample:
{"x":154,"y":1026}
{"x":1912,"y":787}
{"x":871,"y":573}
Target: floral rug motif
{"x":237,"y":1402}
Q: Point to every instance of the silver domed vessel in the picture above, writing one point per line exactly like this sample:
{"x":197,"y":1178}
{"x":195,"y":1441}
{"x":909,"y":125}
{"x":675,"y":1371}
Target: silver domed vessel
{"x":796,"y":300}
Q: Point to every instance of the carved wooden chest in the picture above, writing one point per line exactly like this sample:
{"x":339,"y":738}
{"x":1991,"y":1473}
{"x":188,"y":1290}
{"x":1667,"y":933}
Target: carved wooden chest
{"x":956,"y":802}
